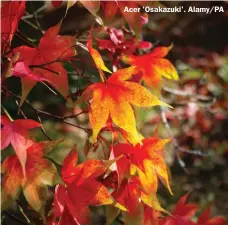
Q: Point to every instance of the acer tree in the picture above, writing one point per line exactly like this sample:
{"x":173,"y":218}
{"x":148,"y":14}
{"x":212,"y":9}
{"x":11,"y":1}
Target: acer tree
{"x":74,"y":113}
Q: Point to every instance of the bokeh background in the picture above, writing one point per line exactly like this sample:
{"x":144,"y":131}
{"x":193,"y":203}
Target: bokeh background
{"x":199,"y":122}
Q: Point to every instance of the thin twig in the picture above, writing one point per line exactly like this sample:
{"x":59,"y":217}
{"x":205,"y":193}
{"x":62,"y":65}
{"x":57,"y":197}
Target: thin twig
{"x":7,"y":113}
{"x":61,"y":118}
{"x":36,"y":20}
{"x":44,"y":68}
{"x":15,"y":217}
{"x":29,"y":23}
{"x":23,"y":213}
{"x":185,"y":93}
{"x":25,"y":39}
{"x":42,"y":128}
{"x":175,"y":143}
{"x":193,"y":152}
{"x":82,"y":46}
{"x":20,"y":110}
{"x":28,"y":16}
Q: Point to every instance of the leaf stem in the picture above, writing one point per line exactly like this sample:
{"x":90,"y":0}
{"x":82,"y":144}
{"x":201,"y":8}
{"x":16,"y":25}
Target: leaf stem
{"x":102,"y":76}
{"x":7,"y":113}
{"x":23,"y":213}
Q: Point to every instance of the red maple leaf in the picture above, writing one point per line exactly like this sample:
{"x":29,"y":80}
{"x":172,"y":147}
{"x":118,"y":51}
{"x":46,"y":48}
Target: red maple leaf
{"x":11,"y":12}
{"x":204,"y":219}
{"x":92,"y":6}
{"x":82,"y":189}
{"x":151,"y":216}
{"x":110,"y":10}
{"x":22,"y":70}
{"x":134,"y":19}
{"x":45,"y":61}
{"x":128,"y":195}
{"x":117,"y":43}
{"x":132,"y":199}
{"x":16,"y":133}
{"x":181,"y":214}
{"x":185,"y":210}
{"x":40,"y":172}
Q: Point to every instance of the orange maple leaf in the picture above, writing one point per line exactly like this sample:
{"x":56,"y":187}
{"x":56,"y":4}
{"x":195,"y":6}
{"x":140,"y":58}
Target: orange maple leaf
{"x":154,"y":66}
{"x":146,"y":160}
{"x":16,"y":133}
{"x":44,"y":61}
{"x":115,"y":98}
{"x":40,"y":172}
{"x":82,"y":189}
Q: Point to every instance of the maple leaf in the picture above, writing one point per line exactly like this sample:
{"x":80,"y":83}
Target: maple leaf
{"x":204,"y":219}
{"x":128,"y":195}
{"x":157,"y":67}
{"x":21,"y":70}
{"x":11,"y":12}
{"x":134,"y":19}
{"x":185,"y":210}
{"x":40,"y":172}
{"x":16,"y":133}
{"x":97,"y":58}
{"x":82,"y":189}
{"x":151,"y":216}
{"x":117,"y":43}
{"x":115,"y":98}
{"x":131,"y":198}
{"x":146,"y":160}
{"x":56,"y":4}
{"x":92,"y":6}
{"x":110,"y":10}
{"x":44,"y":61}
{"x":182,"y":213}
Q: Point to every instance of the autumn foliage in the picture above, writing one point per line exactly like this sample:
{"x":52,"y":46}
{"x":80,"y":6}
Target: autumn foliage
{"x":126,"y":180}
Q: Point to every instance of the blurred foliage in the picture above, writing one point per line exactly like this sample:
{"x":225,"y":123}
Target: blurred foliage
{"x":199,"y":121}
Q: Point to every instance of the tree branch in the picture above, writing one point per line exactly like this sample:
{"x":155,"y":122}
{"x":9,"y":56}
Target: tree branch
{"x":41,"y":112}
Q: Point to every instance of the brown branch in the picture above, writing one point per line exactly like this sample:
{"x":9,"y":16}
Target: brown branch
{"x":41,"y":112}
{"x":44,"y":68}
{"x":42,"y":129}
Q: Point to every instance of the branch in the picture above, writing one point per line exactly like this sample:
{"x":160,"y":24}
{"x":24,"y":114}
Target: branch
{"x":43,"y":130}
{"x":36,"y":19}
{"x":23,"y":213}
{"x":190,"y":94}
{"x":15,"y":218}
{"x":41,"y":112}
{"x":176,"y":144}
